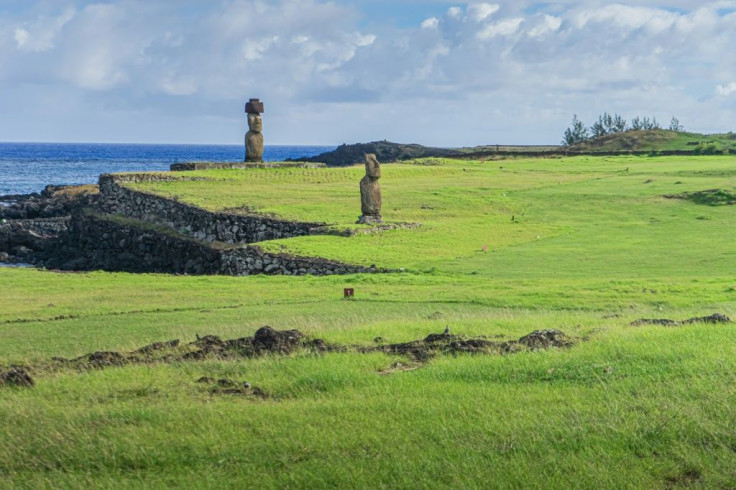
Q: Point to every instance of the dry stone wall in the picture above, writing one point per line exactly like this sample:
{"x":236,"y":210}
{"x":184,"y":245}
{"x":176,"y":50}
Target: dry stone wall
{"x":94,"y":242}
{"x":195,"y":222}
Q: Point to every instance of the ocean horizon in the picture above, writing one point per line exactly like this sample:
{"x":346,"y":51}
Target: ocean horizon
{"x":28,"y":167}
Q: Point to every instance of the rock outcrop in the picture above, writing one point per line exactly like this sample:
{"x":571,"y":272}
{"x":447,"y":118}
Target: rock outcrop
{"x":385,"y":151}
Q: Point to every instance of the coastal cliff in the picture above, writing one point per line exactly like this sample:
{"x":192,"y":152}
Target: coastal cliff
{"x":385,"y":151}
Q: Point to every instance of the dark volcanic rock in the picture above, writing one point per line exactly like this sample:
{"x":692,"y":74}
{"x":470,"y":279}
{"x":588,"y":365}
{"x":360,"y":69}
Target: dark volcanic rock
{"x":385,"y":151}
{"x":30,"y":225}
{"x":52,"y":202}
{"x":25,"y":240}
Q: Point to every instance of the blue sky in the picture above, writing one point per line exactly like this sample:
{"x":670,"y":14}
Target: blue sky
{"x":432,"y":72}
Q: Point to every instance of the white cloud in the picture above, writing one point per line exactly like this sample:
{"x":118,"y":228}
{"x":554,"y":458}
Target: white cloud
{"x":627,"y":18}
{"x":430,"y":23}
{"x":367,"y":40}
{"x":253,"y":49}
{"x":21,"y":36}
{"x":548,"y":25}
{"x":179,"y":86}
{"x":454,"y":12}
{"x":534,"y":70}
{"x":41,"y":34}
{"x":505,"y":27}
{"x":479,"y":12}
{"x":726,"y":90}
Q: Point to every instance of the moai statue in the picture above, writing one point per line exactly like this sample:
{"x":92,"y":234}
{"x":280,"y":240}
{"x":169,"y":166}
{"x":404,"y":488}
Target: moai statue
{"x":370,"y":192}
{"x":254,"y":137}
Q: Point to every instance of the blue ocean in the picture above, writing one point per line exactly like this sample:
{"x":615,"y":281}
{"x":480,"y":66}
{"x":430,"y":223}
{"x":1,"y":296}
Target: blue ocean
{"x":29,"y":167}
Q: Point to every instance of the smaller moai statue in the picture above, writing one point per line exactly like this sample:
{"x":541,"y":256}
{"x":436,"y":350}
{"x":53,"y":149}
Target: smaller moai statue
{"x":370,"y":192}
{"x":254,"y":136}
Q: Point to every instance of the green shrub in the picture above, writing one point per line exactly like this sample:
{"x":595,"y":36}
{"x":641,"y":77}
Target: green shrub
{"x":707,"y":148}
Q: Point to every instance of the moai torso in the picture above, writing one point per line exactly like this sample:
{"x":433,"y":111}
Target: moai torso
{"x":254,"y":137}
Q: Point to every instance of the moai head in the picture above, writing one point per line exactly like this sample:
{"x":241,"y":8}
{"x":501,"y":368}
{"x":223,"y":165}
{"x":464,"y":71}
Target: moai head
{"x":255,"y":123}
{"x":372,"y":167}
{"x":254,"y":109}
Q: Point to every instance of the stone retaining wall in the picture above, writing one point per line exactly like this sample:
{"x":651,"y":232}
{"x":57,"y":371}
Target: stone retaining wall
{"x":94,"y":242}
{"x":195,"y":222}
{"x":180,"y":167}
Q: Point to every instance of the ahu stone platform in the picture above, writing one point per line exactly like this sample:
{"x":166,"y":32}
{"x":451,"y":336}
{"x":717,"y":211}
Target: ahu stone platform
{"x":135,"y":231}
{"x":187,"y":166}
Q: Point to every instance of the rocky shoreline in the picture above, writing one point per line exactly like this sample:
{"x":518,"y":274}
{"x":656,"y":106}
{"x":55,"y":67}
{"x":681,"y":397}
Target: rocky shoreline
{"x":31,"y":224}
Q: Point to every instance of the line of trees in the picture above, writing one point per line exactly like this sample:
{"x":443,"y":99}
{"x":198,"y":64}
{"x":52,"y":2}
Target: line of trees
{"x":578,"y":132}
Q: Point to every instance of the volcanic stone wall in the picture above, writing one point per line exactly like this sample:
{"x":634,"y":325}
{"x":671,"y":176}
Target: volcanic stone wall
{"x":195,"y":222}
{"x":96,"y":242}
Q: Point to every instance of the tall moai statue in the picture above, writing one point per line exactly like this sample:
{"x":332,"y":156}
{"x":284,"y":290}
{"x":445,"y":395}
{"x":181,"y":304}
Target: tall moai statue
{"x":254,"y":137}
{"x":370,"y":192}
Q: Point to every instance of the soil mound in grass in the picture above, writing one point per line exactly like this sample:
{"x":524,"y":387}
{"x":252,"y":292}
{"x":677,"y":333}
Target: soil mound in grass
{"x":545,"y":339}
{"x":446,"y":343}
{"x":714,"y":318}
{"x":16,"y":377}
{"x":269,"y":341}
{"x":266,"y":339}
{"x":710,"y":197}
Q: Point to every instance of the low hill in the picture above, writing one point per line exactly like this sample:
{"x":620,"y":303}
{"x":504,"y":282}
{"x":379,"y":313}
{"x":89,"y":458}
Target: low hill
{"x":660,"y":140}
{"x":385,"y":151}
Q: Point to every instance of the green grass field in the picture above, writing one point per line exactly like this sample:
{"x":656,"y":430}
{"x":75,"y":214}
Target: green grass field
{"x":586,"y":245}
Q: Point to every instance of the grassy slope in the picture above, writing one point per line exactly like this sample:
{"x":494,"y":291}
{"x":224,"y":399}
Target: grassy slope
{"x":558,"y":206}
{"x":644,"y":407}
{"x":657,"y":139}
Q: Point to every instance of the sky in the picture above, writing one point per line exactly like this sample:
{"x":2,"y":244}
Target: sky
{"x":433,"y":72}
